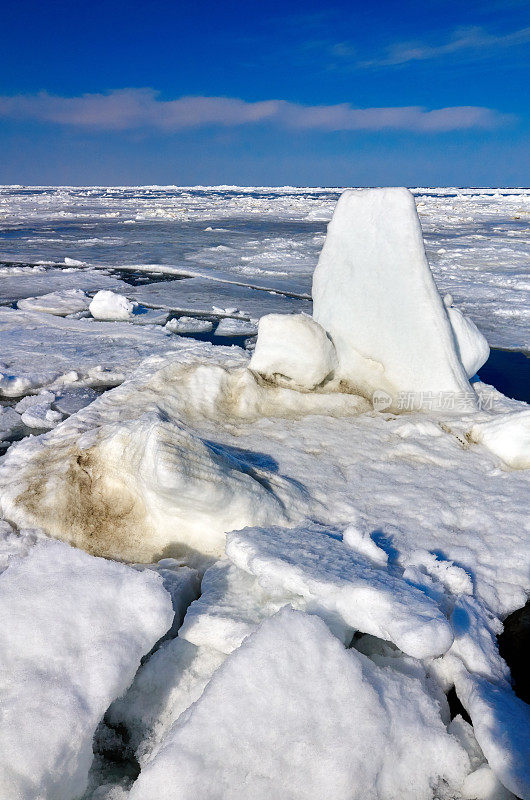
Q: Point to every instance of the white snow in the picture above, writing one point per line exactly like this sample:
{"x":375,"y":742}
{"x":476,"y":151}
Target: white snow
{"x":108,"y":305}
{"x":73,"y":631}
{"x":293,"y":350}
{"x":507,"y":436}
{"x":374,"y":293}
{"x":292,"y":714}
{"x":236,"y":327}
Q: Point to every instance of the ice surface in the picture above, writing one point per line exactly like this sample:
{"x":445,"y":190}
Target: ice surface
{"x":73,"y":631}
{"x":293,"y":350}
{"x":17,"y":286}
{"x":292,"y":714}
{"x":341,"y":582}
{"x":42,"y":350}
{"x":374,"y":293}
{"x":236,"y":327}
{"x":508,"y":437}
{"x":108,"y":305}
{"x":202,"y":296}
{"x":69,"y":301}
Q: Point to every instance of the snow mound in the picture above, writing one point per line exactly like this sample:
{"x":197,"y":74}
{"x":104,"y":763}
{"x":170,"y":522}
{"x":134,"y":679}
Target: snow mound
{"x":73,"y":631}
{"x":507,"y":436}
{"x":293,"y":350}
{"x":472,"y":345}
{"x":69,"y":301}
{"x":374,"y":293}
{"x":292,"y":714}
{"x":107,"y":305}
{"x":343,"y":583}
{"x":139,"y":490}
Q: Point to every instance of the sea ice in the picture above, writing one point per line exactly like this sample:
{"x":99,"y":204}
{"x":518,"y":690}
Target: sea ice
{"x":61,"y":304}
{"x":73,"y":631}
{"x":374,"y":293}
{"x":293,"y":350}
{"x":292,"y":714}
{"x":110,"y":306}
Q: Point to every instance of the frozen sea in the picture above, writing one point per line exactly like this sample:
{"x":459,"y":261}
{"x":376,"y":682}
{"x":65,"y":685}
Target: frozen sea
{"x":399,"y":542}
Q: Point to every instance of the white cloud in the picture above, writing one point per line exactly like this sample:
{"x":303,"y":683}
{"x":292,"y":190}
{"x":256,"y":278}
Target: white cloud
{"x":476,"y":41}
{"x":130,"y":109}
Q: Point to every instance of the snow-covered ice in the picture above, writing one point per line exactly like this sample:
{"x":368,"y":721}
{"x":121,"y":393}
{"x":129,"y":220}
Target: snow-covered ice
{"x":343,"y":584}
{"x":69,"y":301}
{"x":401,"y":540}
{"x":73,"y":631}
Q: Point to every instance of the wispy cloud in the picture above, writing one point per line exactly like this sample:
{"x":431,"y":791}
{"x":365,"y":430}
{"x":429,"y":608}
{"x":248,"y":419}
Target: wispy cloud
{"x":133,"y":109}
{"x":472,"y":41}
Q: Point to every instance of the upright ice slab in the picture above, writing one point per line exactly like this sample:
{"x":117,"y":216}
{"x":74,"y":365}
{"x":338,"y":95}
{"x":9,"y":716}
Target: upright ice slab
{"x":374,"y":293}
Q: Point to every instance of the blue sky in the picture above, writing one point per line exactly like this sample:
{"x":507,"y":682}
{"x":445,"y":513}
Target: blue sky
{"x":415,"y":93}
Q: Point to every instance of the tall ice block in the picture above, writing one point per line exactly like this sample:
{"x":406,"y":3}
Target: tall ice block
{"x":374,"y":293}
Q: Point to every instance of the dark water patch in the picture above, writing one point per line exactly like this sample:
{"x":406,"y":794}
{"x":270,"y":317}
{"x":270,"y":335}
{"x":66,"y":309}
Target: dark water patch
{"x":514,"y":647}
{"x":141,"y":278}
{"x":509,"y":372}
{"x":456,"y":707}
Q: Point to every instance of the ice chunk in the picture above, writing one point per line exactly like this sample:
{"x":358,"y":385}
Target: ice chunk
{"x":70,"y":400}
{"x":231,"y":606}
{"x":374,"y":293}
{"x":60,"y":304}
{"x":501,"y":722}
{"x":189,"y":325}
{"x":472,"y":345}
{"x":310,"y":563}
{"x":73,"y":631}
{"x":293,"y":350}
{"x":292,"y":714}
{"x":507,"y":436}
{"x":107,"y":305}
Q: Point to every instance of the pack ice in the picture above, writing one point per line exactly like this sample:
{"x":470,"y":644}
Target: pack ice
{"x":355,"y":565}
